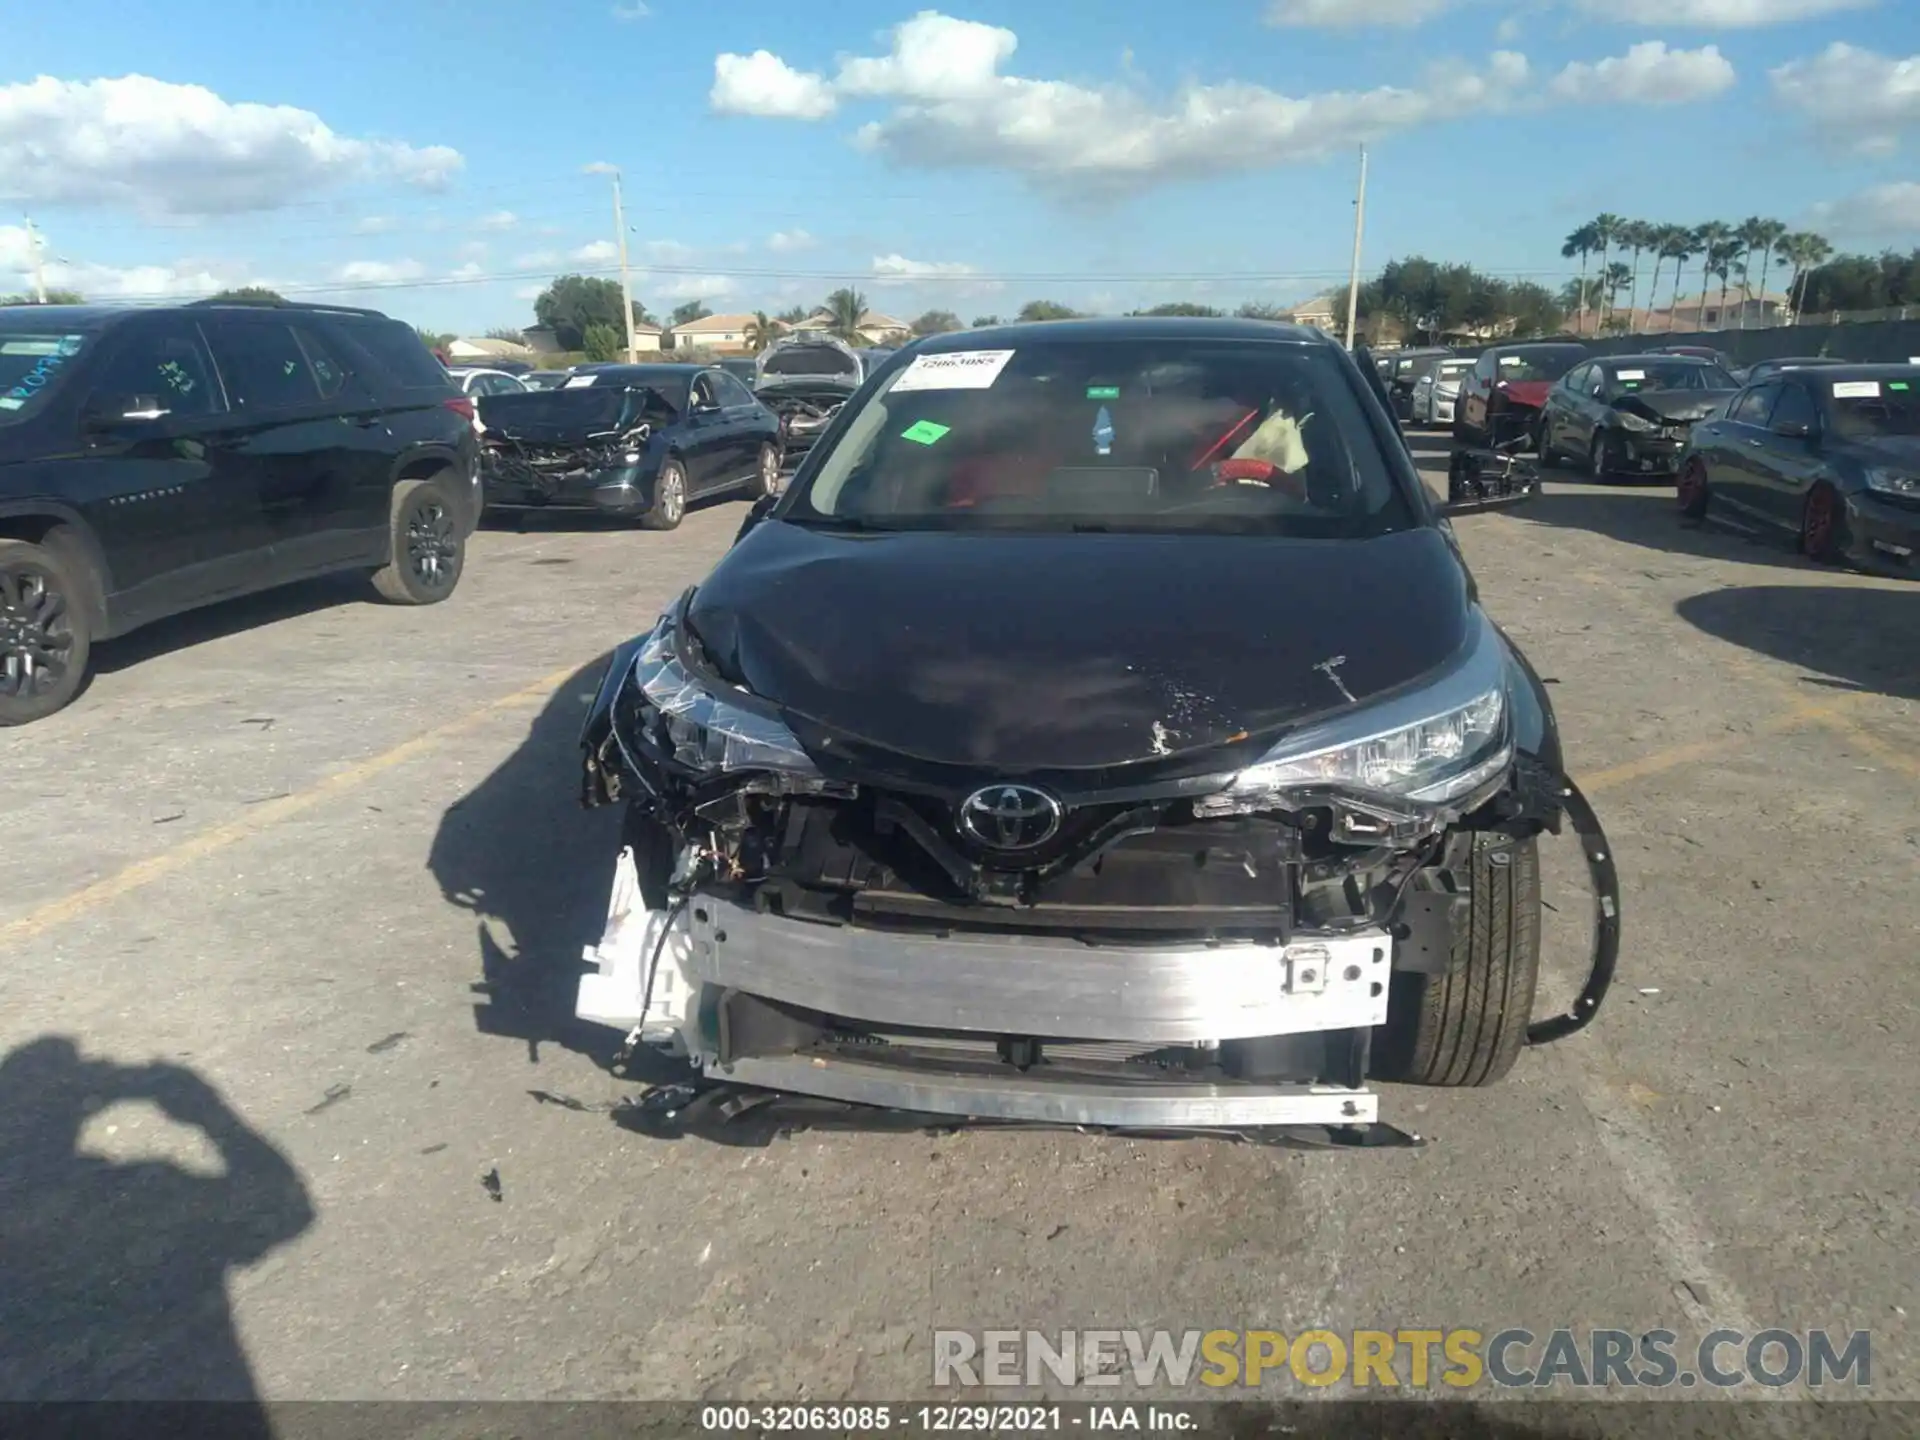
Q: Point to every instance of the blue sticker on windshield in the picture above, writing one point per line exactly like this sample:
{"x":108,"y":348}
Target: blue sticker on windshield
{"x":1103,"y":433}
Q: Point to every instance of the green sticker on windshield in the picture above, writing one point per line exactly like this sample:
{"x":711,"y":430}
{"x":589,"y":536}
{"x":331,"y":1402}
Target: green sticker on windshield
{"x":923,"y":432}
{"x":1896,"y":385}
{"x":1103,"y":392}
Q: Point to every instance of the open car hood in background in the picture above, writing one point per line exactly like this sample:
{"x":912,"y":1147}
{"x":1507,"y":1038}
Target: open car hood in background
{"x":810,"y":355}
{"x":1673,"y":404}
{"x":1032,"y":652}
{"x":1530,"y":394}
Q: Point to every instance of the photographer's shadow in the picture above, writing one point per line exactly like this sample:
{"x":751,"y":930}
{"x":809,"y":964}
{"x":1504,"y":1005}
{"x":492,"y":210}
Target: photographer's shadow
{"x":114,"y":1281}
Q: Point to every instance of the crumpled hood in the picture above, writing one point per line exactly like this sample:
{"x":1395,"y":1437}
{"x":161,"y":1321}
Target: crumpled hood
{"x":1033,"y":652}
{"x":1527,"y":394}
{"x":1673,"y":404}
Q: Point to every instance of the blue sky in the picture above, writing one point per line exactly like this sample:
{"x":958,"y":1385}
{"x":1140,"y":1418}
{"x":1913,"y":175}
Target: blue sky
{"x":427,"y":156}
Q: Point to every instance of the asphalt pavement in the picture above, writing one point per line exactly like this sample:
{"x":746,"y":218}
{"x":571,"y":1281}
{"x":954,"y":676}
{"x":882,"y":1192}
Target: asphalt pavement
{"x":292,"y":1104}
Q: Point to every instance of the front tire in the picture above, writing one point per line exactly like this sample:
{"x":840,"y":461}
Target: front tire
{"x":669,"y":498}
{"x":1468,"y":1026}
{"x":45,"y":636}
{"x":766,"y":474}
{"x":1822,"y":521}
{"x":427,"y":547}
{"x":1544,"y":443}
{"x":1691,"y":489}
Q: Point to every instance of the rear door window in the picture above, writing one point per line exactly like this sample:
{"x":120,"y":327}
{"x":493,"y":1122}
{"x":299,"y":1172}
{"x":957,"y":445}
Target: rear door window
{"x":264,"y":365}
{"x":730,"y":392}
{"x":330,"y":372}
{"x":1752,"y":407}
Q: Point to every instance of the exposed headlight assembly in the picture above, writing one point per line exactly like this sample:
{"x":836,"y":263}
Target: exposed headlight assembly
{"x":1894,"y":482}
{"x":1627,"y":420}
{"x":1445,"y":746}
{"x":705,"y":732}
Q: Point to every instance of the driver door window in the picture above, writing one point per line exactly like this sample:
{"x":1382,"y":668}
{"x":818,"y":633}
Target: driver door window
{"x":163,"y":369}
{"x":1795,"y":407}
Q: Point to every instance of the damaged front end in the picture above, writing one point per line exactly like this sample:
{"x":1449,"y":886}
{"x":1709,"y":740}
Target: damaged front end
{"x":1185,"y":943}
{"x":587,"y":448}
{"x":1646,"y":432}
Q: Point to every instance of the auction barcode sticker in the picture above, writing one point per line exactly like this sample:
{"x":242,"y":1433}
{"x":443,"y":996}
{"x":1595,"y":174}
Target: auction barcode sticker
{"x":1855,"y":389}
{"x":956,"y":370}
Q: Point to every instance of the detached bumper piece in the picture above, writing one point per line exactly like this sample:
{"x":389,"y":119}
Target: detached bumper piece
{"x":532,"y":477}
{"x":1489,"y":479}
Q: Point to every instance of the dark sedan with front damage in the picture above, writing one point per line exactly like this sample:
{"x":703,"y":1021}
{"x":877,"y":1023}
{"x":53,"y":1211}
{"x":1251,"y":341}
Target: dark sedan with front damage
{"x":1630,"y":414}
{"x":1103,"y":729}
{"x":638,"y":441}
{"x":1501,"y":397}
{"x":1828,"y":455}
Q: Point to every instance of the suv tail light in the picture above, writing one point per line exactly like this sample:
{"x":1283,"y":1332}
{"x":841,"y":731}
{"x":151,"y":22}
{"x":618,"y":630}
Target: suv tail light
{"x":461,"y":405}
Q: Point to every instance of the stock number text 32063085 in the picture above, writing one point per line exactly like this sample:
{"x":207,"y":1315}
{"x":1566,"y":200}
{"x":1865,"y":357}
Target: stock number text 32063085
{"x":852,"y":1419}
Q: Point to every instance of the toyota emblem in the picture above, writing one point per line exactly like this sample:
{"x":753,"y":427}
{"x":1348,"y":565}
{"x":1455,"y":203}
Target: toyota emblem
{"x":1010,"y":817}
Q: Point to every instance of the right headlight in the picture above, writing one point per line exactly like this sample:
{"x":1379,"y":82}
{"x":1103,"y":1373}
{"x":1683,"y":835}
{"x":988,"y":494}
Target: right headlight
{"x":706,"y":732}
{"x":1893,"y":482}
{"x":1441,"y":745}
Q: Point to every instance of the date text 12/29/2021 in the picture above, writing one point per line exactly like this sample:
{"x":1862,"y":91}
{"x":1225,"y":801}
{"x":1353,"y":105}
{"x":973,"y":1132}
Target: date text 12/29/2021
{"x":949,"y":1419}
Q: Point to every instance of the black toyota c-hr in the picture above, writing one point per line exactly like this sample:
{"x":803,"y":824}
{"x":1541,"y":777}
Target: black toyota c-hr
{"x":1103,"y":729}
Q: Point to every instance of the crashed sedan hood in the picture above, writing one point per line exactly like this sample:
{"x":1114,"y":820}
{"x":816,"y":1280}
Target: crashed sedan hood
{"x":570,"y":417}
{"x":1531,"y":394}
{"x":1048,"y":651}
{"x":1673,"y":404}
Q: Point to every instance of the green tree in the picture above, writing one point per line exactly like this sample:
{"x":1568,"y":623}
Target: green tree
{"x":1805,"y":251}
{"x":1759,"y":233}
{"x":1618,"y":276}
{"x":1606,"y":233}
{"x":845,"y":309}
{"x":1709,"y":243}
{"x":54,"y":297}
{"x":507,"y":332}
{"x":573,"y":302}
{"x":434,"y":339}
{"x":761,"y":331}
{"x":1533,"y":310}
{"x":688,"y":313}
{"x":249,"y":295}
{"x":1260,"y":310}
{"x":1637,"y":236}
{"x":1582,"y":242}
{"x":937,"y":322}
{"x":981,"y":322}
{"x":1182,"y":307}
{"x":1047,"y":310}
{"x":602,"y":342}
{"x":793,"y":314}
{"x":1675,"y":244}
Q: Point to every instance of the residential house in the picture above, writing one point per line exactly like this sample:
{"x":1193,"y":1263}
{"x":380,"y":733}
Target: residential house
{"x":1318,"y":312}
{"x":1690,"y":313}
{"x":479,"y":352}
{"x":647,"y":340}
{"x":875,"y":328}
{"x":715,"y":332}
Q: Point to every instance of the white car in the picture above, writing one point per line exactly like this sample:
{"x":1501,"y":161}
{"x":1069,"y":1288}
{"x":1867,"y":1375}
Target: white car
{"x":1436,"y":392}
{"x":472,"y":381}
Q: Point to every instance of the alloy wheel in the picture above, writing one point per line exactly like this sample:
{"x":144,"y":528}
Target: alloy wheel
{"x":36,"y":633}
{"x":1692,"y":488}
{"x":1819,"y":523}
{"x":672,"y":499}
{"x":433,"y":548}
{"x":769,"y":470}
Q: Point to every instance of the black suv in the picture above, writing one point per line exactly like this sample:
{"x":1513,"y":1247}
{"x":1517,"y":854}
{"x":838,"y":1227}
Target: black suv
{"x":156,"y":460}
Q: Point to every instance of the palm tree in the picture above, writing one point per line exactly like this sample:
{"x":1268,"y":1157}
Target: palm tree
{"x":1709,"y":242}
{"x":1606,"y":231}
{"x":760,"y":331}
{"x":1581,"y":242}
{"x":845,"y":309}
{"x":1762,"y":235}
{"x":1616,"y":277}
{"x":1675,"y":244}
{"x":1636,"y":235}
{"x":1805,"y":251}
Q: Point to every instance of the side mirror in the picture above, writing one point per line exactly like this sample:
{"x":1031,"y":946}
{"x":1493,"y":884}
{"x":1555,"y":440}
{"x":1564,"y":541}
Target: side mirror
{"x":757,"y":512}
{"x":1794,"y":430}
{"x":127,"y":416}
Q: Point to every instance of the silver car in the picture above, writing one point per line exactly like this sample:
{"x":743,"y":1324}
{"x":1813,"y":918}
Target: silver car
{"x":1436,"y":392}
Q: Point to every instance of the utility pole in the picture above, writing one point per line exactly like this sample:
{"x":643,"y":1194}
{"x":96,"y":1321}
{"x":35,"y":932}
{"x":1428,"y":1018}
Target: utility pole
{"x":39,"y":267}
{"x":1359,"y":226}
{"x":626,"y":282}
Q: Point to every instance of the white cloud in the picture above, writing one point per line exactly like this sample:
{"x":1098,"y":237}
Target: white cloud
{"x":469,"y":271}
{"x":783,"y":242}
{"x":1352,"y":14}
{"x":182,"y":149}
{"x":473,"y":249}
{"x":1716,"y":14}
{"x":763,"y":84}
{"x":1648,"y":74}
{"x":537,"y":260}
{"x":954,"y":278}
{"x":634,"y":10}
{"x":598,"y":252}
{"x":934,"y":57}
{"x":1889,"y":210}
{"x":662,"y":288}
{"x":668,"y":252}
{"x":182,"y":279}
{"x":499,"y":220}
{"x":379,"y":272}
{"x":375,"y":225}
{"x":1858,"y":98}
{"x":529,"y":292}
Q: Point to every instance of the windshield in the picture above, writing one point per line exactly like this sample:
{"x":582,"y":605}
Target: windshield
{"x":1451,"y":370}
{"x":1875,"y":409}
{"x":1139,"y":435}
{"x":31,"y":362}
{"x":1672,"y":375}
{"x":1548,"y":363}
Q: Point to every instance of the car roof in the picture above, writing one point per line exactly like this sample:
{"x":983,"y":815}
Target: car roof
{"x":1803,"y":360}
{"x":1534,"y":345}
{"x":1664,"y":357}
{"x":74,"y":317}
{"x":1863,"y":370}
{"x":1118,"y":328}
{"x":649,"y":372}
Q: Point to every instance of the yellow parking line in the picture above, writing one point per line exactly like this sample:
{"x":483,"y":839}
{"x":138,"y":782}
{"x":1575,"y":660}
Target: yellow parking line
{"x":1809,"y":713}
{"x":144,"y":872}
